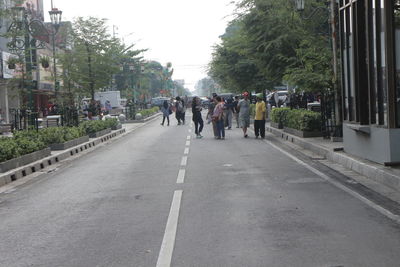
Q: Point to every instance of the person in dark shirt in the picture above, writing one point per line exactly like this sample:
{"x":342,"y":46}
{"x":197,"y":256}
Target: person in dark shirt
{"x":236,"y":111}
{"x":197,"y":119}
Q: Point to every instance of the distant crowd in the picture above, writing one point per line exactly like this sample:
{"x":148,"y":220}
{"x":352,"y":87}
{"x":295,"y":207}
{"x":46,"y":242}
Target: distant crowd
{"x":221,"y":114}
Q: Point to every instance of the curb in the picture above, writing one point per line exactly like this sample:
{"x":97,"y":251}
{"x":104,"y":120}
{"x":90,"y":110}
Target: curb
{"x":145,"y":119}
{"x":371,"y":170}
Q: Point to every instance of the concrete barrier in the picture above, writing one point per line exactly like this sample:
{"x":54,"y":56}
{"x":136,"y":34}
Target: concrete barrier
{"x":69,"y":144}
{"x":23,"y":160}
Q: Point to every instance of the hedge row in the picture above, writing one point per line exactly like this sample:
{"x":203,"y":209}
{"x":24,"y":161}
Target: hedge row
{"x":19,"y":145}
{"x":25,"y":142}
{"x":89,"y":127}
{"x":299,"y":119}
{"x":148,"y":112}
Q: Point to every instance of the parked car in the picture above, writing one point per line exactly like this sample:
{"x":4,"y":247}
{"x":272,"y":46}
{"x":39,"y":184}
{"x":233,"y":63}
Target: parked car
{"x":205,"y":102}
{"x":314,"y":106}
{"x":282,"y":95}
{"x":226,"y":95}
{"x":158,"y":101}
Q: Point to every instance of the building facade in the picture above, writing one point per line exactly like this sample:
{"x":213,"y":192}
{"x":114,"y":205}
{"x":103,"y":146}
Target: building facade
{"x":43,"y":85}
{"x":370,"y":51}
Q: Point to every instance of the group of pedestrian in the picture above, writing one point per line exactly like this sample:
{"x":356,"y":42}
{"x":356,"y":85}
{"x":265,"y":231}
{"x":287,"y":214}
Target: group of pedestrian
{"x":221,"y":113}
{"x":177,"y":105}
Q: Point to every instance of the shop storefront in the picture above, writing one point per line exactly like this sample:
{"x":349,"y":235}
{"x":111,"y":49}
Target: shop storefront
{"x":370,"y":51}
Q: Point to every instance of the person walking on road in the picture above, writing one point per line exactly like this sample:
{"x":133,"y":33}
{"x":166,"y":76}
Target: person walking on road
{"x":244,"y":113}
{"x":218,"y":117}
{"x":210,"y":113}
{"x":183,"y":111}
{"x":178,"y":109}
{"x":197,"y":119}
{"x":259,"y":119}
{"x":229,"y":112}
{"x":166,"y":111}
{"x":236,"y":111}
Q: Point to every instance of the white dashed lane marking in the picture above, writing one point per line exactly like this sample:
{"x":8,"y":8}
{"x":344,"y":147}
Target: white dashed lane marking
{"x":181,"y":176}
{"x":186,"y":152}
{"x":184,"y":161}
{"x":168,"y":243}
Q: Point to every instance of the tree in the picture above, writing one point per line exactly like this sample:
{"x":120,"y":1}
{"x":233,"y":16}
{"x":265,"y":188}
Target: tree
{"x":269,"y":43}
{"x":230,"y":66}
{"x":96,"y":56}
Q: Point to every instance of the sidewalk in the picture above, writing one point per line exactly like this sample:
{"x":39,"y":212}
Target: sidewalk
{"x":384,"y":180}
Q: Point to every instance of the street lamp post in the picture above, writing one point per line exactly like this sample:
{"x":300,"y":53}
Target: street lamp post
{"x":23,"y":46}
{"x":132,"y":70}
{"x":55,"y":16}
{"x":24,"y":35}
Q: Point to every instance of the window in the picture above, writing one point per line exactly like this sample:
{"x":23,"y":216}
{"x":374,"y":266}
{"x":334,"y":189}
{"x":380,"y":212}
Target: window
{"x":396,"y":20}
{"x":366,"y":48}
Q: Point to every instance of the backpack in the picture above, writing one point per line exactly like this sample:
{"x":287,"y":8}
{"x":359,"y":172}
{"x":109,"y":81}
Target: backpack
{"x":180,"y":106}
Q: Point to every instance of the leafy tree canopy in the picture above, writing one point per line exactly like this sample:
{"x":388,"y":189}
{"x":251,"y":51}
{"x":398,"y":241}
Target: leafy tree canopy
{"x":269,"y":43}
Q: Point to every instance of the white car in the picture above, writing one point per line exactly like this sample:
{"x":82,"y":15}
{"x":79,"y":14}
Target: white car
{"x":282,"y":95}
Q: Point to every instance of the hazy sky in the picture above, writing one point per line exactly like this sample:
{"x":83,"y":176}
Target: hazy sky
{"x":178,"y":31}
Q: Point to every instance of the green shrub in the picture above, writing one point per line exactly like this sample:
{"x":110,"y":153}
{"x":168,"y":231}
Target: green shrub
{"x":89,"y":127}
{"x":278,"y":115}
{"x":303,"y":120}
{"x":28,"y":134}
{"x":22,"y":143}
{"x":149,"y":112}
{"x":8,"y":149}
{"x":111,"y":122}
{"x":55,"y":135}
{"x":26,"y":146}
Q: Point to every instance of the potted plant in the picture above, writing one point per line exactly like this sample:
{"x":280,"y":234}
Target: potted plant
{"x":44,"y":61}
{"x":12,"y":62}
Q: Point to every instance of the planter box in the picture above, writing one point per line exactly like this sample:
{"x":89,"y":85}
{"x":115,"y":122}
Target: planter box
{"x":276,"y":125}
{"x":303,"y":134}
{"x":24,"y":160}
{"x":101,"y":133}
{"x":119,"y":126}
{"x":69,"y":144}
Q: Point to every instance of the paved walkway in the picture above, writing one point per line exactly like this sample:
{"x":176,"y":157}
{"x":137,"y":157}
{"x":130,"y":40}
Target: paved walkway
{"x":383,"y":179}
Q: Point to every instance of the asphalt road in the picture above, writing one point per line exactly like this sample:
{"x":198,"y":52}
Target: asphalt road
{"x":157,"y":198}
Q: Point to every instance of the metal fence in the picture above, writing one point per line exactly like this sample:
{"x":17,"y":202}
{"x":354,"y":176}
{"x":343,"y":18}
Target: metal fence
{"x":328,"y":115}
{"x":69,"y":116}
{"x":23,"y":119}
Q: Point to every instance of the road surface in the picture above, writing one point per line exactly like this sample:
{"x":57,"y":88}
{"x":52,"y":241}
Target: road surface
{"x":160,"y":197}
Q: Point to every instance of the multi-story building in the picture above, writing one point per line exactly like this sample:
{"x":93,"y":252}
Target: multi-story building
{"x":43,"y":86}
{"x":370,"y":46}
